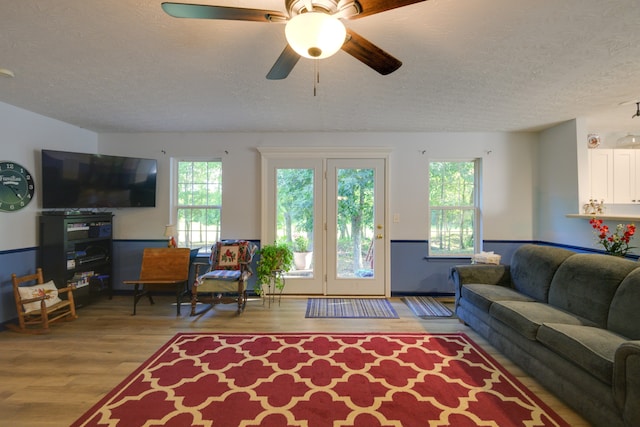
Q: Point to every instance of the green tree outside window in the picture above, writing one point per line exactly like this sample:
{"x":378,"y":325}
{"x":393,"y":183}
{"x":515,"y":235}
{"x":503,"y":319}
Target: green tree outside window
{"x":199,"y":203}
{"x":454,"y":208}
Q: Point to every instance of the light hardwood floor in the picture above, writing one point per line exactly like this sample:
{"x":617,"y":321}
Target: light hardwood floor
{"x":51,"y":380}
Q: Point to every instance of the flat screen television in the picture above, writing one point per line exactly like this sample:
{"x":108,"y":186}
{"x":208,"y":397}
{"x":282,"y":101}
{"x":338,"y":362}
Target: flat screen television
{"x":85,"y":181}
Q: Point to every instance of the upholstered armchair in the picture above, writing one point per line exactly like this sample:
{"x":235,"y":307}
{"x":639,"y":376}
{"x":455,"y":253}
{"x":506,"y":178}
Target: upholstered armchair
{"x":225,"y":281}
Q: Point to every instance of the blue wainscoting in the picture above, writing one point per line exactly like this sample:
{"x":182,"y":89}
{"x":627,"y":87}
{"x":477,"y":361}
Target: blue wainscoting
{"x":21,"y":262}
{"x":412,"y":271}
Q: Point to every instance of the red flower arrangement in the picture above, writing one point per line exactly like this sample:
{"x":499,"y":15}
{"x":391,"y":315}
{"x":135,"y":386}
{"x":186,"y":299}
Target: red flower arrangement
{"x":616,"y":243}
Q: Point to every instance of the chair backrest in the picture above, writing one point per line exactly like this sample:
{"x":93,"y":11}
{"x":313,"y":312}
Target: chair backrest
{"x":193,"y":254}
{"x":25,"y":281}
{"x":37,"y":278}
{"x":165,"y":264}
{"x":231,"y":254}
{"x":33,"y":286}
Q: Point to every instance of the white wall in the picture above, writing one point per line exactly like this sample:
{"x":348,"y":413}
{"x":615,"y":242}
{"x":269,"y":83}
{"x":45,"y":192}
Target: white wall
{"x":512,"y":195}
{"x":509,"y":164}
{"x":562,"y":165}
{"x":24,"y":134}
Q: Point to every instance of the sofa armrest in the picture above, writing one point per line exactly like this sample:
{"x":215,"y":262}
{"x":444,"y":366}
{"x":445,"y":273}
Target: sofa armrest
{"x":488,"y":274}
{"x":626,"y":381}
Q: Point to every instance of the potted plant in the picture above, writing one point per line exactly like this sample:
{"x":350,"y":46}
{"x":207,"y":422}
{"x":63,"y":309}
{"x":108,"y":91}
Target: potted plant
{"x":275,"y":258}
{"x":301,"y":255}
{"x":300,"y":244}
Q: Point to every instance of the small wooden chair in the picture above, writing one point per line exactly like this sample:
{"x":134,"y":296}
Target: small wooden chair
{"x":162,"y":269}
{"x":38,"y":304}
{"x":229,"y":271}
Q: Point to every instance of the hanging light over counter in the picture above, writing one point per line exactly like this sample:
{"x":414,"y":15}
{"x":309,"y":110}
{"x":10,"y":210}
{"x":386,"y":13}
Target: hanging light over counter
{"x":629,"y":141}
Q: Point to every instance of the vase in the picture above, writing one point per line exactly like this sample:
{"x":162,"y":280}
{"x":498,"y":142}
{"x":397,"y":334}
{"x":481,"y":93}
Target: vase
{"x":618,"y":254}
{"x":302,"y":260}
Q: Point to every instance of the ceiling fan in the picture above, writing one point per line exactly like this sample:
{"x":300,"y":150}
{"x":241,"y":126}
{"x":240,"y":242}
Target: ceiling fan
{"x":310,"y":20}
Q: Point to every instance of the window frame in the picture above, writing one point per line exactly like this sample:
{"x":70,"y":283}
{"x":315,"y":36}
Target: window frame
{"x":175,"y":206}
{"x":475,"y":209}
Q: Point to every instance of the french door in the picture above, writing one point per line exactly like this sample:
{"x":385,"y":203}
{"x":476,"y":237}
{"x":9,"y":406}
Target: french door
{"x":355,"y":227}
{"x":332,"y":212}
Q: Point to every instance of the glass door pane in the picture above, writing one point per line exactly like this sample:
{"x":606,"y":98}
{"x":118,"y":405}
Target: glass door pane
{"x":295,"y":217}
{"x":292,"y":207}
{"x":355,"y":216}
{"x":356,"y":224}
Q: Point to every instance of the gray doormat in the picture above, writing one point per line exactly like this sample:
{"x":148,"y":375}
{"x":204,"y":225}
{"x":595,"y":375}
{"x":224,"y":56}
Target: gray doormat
{"x":352,"y":308}
{"x":425,"y":307}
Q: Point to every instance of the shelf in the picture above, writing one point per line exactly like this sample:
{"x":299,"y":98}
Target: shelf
{"x":92,"y":264}
{"x":72,"y":246}
{"x":87,"y":239}
{"x":606,"y":217}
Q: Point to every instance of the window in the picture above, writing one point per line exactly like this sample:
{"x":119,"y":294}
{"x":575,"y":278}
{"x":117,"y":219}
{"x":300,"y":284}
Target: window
{"x":454,"y":208}
{"x":199,"y":202}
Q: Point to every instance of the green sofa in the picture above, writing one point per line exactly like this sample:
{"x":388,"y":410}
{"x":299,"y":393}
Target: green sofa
{"x":570,"y":320}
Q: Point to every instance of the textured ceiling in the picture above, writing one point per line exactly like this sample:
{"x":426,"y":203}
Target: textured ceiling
{"x":468,"y":65}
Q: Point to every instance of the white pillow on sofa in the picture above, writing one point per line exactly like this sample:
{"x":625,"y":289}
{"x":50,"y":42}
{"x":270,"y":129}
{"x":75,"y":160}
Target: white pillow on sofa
{"x":35,"y":291}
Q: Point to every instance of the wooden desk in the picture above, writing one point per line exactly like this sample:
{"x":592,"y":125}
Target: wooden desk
{"x":162,"y":269}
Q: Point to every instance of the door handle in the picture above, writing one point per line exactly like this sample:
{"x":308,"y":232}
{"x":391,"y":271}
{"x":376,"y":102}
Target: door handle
{"x":379,"y":236}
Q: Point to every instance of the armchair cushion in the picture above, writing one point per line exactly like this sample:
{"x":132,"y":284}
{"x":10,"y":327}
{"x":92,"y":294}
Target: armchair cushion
{"x":36,"y":291}
{"x":222,"y":275}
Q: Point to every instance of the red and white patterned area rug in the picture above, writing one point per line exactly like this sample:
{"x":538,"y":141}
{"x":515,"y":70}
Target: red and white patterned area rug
{"x":314,"y":380}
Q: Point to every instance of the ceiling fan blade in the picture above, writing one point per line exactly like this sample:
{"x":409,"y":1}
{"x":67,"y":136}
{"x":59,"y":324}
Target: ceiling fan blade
{"x":371,"y":7}
{"x":198,"y":11}
{"x":284,"y":64}
{"x":369,"y":54}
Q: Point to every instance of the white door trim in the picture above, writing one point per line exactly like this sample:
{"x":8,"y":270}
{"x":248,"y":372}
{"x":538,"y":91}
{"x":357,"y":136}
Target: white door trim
{"x":383,"y":153}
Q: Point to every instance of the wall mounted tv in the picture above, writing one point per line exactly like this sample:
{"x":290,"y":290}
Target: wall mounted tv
{"x":81,"y":180}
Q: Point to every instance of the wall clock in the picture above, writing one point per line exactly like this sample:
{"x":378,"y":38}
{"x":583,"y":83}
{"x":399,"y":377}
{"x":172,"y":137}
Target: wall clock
{"x":16,"y":186}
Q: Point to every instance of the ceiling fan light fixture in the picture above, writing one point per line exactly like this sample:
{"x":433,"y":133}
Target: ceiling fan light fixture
{"x":315,"y":35}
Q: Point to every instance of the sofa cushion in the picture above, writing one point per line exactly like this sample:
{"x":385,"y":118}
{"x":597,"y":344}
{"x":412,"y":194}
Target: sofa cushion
{"x":624,"y":315}
{"x":591,"y":348}
{"x":585,"y":284}
{"x":533,"y":268}
{"x":527,"y":317}
{"x":482,"y":296}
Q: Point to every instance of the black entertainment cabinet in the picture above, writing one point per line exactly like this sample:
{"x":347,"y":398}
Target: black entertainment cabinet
{"x":77,"y":248}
